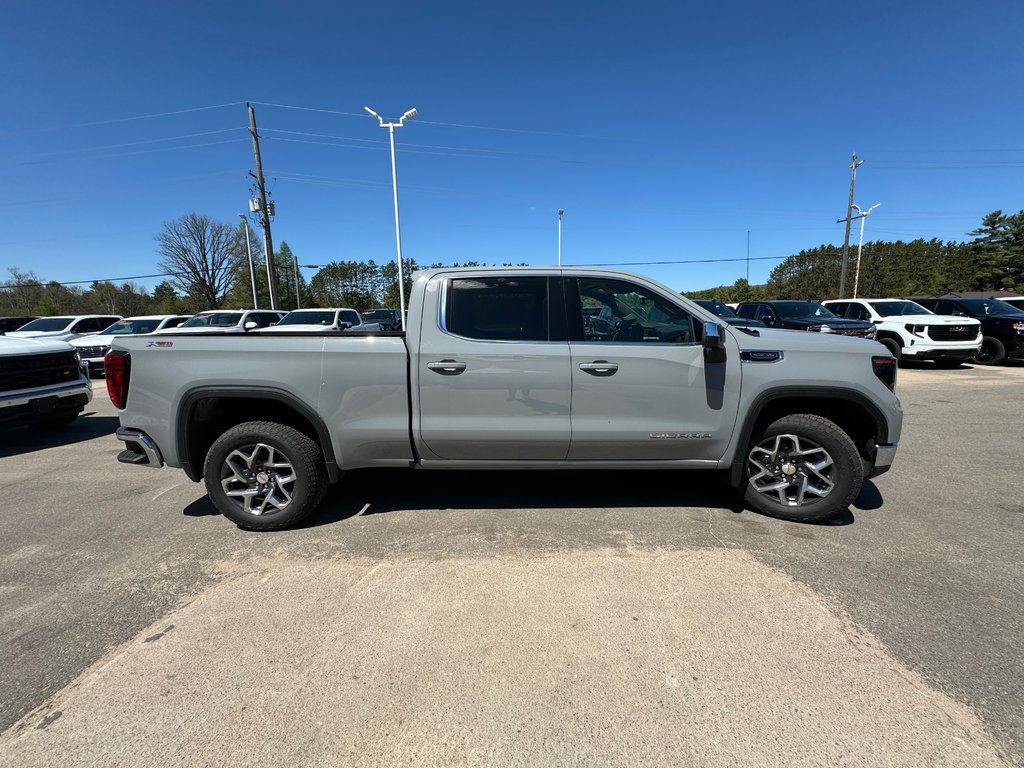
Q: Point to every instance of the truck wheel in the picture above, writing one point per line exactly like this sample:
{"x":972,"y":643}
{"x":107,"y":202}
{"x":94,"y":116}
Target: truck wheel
{"x":264,"y":476}
{"x":894,"y":347}
{"x":803,"y":468}
{"x":992,"y":352}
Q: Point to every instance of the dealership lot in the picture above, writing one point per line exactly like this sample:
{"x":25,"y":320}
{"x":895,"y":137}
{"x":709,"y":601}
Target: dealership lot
{"x":492,"y":618}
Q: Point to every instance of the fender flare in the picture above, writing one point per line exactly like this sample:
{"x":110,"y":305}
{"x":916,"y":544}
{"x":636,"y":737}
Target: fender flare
{"x":188,"y":402}
{"x":779,"y":393}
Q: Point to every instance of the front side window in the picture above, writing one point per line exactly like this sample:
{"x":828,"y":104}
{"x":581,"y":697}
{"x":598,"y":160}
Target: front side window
{"x":213,"y":320}
{"x":498,"y":308}
{"x":47,"y":324}
{"x":626,"y":312}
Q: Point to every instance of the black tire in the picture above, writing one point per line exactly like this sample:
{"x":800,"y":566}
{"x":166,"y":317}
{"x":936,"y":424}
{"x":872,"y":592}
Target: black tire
{"x":894,"y":347}
{"x":992,"y":352}
{"x":250,"y":446}
{"x":845,"y":473}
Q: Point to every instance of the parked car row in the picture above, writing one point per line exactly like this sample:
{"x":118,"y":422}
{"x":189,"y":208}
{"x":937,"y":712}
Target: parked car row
{"x":947,"y":330}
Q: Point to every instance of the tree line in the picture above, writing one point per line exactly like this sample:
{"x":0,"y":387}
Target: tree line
{"x":992,"y":261}
{"x":207,"y":267}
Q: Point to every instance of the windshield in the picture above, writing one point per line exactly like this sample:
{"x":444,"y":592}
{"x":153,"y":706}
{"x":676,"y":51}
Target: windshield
{"x":893,"y":308}
{"x":326,"y":317}
{"x":720,"y":309}
{"x":987,"y":307}
{"x":48,"y":324}
{"x":213,"y":320}
{"x":131,"y":326}
{"x":800,"y":309}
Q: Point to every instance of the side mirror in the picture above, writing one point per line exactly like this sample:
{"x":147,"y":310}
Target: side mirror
{"x":343,"y":326}
{"x":714,"y":343}
{"x":250,"y":324}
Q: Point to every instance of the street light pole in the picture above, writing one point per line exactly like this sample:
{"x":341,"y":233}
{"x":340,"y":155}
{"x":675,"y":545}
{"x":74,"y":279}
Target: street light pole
{"x":560,"y":212}
{"x":252,"y":268}
{"x":394,"y":185}
{"x":295,"y":263}
{"x":860,"y":245}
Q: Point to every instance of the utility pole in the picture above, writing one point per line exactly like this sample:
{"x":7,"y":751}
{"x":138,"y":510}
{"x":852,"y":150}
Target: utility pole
{"x":264,"y":212}
{"x":561,"y":212}
{"x":849,"y":212}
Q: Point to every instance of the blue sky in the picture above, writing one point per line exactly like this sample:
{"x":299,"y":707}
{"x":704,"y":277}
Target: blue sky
{"x":666,"y":131}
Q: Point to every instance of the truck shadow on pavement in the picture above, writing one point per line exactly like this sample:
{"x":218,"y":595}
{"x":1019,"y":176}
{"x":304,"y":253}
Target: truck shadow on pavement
{"x":379,"y":491}
{"x":21,"y":440}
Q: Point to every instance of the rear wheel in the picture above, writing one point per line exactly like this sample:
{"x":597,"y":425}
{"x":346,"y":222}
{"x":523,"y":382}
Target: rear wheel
{"x":804,"y":468}
{"x":992,"y":352}
{"x":265,"y":476}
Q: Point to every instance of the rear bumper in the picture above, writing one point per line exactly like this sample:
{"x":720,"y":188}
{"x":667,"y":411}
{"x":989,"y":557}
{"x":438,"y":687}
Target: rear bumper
{"x":883,"y":459}
{"x":139,"y":448}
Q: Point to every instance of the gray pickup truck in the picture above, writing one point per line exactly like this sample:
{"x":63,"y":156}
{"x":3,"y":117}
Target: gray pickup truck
{"x":499,"y":369}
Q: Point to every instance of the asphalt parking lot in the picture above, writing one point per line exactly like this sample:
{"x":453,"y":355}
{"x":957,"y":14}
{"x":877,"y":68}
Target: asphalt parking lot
{"x":521,"y":618}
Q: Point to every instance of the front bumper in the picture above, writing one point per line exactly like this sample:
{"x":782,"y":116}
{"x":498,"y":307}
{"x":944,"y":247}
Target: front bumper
{"x":942,"y":354}
{"x":28,"y":406}
{"x":884,"y":456}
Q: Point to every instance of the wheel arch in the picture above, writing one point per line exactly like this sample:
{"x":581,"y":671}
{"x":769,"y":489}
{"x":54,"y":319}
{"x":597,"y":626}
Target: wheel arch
{"x":850,"y":410}
{"x":205,"y":413}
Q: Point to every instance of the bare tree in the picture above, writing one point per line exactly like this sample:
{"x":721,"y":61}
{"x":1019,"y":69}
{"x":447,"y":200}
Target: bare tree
{"x":202,"y":256}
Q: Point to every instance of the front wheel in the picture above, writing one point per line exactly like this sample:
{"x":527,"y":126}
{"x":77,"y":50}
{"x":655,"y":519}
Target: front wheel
{"x":992,"y":352}
{"x":265,"y":476}
{"x":804,"y":468}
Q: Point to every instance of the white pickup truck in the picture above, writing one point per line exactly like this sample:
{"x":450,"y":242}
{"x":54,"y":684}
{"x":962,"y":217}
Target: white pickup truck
{"x":42,"y":383}
{"x":499,"y":369}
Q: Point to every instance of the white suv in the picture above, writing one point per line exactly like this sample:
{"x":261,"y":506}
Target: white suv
{"x":911,"y":332}
{"x":227,"y":321}
{"x":92,"y":348}
{"x":64,"y":328}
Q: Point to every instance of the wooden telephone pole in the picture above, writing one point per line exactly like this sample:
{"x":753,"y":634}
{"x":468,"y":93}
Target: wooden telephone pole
{"x":264,"y":211}
{"x":846,"y":238}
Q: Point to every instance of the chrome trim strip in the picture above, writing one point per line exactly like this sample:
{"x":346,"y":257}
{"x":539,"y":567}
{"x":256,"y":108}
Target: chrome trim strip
{"x":67,"y":390}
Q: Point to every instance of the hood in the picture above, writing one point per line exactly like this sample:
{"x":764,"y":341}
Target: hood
{"x":932,"y":319}
{"x":300,"y":327}
{"x":95,"y":340}
{"x":31,"y":346}
{"x":60,"y":335}
{"x":792,"y":339}
{"x":831,"y":322}
{"x":195,"y":329}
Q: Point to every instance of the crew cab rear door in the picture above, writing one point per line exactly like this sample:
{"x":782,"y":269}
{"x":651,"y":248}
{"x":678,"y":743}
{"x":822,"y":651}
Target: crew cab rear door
{"x":645,"y":393}
{"x":493,"y":369}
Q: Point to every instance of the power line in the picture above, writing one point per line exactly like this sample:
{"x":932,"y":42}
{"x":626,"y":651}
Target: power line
{"x":41,"y":284}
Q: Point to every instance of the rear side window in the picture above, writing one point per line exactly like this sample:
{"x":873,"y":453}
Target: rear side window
{"x":498,"y":308}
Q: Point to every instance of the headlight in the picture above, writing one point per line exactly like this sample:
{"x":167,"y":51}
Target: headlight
{"x":1018,"y":327}
{"x":78,"y":357}
{"x":827,"y":329}
{"x":814,"y":328}
{"x":915,"y":329}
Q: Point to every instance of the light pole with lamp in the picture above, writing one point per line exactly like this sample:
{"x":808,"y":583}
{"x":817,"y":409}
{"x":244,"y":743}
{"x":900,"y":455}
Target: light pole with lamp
{"x":252,"y":269}
{"x":394,"y":184}
{"x":863,"y":215}
{"x":560,"y":212}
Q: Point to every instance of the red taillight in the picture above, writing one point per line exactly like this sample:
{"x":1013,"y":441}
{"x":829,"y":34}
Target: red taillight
{"x":117,"y":366}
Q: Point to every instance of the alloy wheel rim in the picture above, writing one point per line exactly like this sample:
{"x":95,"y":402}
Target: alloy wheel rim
{"x":790,"y":469}
{"x":259,"y":478}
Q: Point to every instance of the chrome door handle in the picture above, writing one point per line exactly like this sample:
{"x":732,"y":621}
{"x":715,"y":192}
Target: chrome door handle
{"x":447,"y":367}
{"x":599,"y":368}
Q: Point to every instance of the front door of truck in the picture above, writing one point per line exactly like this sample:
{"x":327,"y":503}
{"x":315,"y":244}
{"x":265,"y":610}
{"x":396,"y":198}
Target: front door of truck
{"x":645,"y":393}
{"x":493,"y":386}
